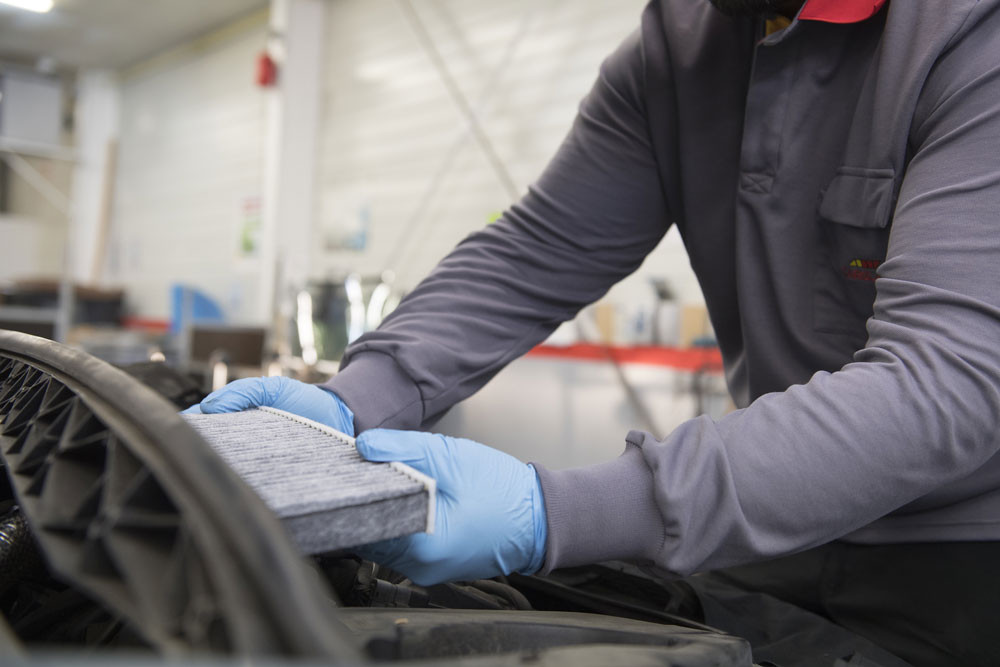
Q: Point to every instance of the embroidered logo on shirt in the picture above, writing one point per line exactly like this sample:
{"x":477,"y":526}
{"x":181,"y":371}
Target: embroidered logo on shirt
{"x":861,"y":269}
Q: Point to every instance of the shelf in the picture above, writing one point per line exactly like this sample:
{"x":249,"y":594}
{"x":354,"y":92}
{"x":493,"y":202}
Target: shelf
{"x":28,"y":314}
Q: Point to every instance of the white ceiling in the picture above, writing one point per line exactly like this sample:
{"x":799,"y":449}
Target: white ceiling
{"x":111,"y":33}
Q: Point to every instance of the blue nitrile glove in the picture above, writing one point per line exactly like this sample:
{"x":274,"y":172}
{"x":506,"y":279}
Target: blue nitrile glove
{"x":305,"y":400}
{"x":490,"y":511}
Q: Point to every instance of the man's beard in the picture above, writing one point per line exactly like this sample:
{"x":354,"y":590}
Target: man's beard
{"x":751,"y":8}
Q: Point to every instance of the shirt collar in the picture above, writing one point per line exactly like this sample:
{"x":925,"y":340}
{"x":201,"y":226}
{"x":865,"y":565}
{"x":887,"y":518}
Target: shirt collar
{"x":839,"y":11}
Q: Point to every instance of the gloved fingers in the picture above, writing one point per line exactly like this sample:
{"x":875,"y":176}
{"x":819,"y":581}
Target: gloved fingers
{"x":413,"y":556}
{"x":312,"y":402}
{"x":238,"y":395}
{"x":490,"y":513}
{"x":409,"y":447}
{"x":193,"y":410}
{"x":384,"y":552}
{"x":283,"y":393}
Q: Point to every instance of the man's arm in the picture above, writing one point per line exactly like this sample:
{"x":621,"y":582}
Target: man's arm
{"x":595,"y":213}
{"x":919,"y":407}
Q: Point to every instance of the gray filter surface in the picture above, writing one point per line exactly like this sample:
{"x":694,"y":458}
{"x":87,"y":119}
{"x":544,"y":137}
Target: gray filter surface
{"x":313,"y":478}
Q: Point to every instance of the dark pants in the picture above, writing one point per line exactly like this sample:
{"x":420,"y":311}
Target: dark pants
{"x":930,"y":604}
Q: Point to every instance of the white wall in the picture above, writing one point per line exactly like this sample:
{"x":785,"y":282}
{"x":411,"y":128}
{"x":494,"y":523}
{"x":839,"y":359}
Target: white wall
{"x":395,"y":155}
{"x":97,"y":116}
{"x":33,"y":234}
{"x":190,"y":162}
{"x":390,"y":128}
{"x":30,"y":248}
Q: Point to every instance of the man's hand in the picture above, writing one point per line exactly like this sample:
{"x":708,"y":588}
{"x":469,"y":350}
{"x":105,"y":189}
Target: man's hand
{"x":305,"y":400}
{"x":490,"y":511}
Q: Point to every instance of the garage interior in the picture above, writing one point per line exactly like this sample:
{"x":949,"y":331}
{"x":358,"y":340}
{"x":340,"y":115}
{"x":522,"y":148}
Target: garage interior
{"x":193,"y":193}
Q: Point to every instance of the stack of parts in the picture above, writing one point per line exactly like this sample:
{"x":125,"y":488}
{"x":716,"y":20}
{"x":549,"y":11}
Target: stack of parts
{"x":313,"y":478}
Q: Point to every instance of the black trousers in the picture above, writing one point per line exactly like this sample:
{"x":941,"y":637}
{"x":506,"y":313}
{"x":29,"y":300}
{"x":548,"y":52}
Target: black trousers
{"x":929,"y":604}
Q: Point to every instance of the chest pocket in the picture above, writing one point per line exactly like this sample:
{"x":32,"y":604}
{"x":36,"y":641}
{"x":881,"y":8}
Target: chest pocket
{"x":853,"y":218}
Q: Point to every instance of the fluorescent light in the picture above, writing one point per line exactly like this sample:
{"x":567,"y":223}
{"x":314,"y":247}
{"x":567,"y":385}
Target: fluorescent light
{"x":40,"y":6}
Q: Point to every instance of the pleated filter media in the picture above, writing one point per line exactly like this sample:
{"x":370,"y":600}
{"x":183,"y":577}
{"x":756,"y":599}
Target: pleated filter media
{"x":313,"y":478}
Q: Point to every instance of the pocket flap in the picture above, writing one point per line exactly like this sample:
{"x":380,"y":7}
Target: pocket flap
{"x":859,"y":197}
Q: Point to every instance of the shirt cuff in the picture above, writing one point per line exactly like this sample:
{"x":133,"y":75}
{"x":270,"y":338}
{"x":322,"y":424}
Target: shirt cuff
{"x":601,"y":512}
{"x":378,"y":392}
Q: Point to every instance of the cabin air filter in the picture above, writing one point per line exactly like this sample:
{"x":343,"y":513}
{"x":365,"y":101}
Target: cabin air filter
{"x":313,"y":478}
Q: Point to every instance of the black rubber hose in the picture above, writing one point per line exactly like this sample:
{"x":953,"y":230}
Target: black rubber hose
{"x":505,"y":591}
{"x":18,"y":554}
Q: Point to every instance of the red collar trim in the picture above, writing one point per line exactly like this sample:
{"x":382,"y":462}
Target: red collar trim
{"x":840,"y":11}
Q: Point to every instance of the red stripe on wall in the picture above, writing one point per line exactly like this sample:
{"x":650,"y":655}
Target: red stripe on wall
{"x":693,"y":359}
{"x":146,"y":323}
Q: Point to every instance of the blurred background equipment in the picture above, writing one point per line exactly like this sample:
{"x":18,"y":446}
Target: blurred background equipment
{"x":223,"y":353}
{"x":330,"y":315}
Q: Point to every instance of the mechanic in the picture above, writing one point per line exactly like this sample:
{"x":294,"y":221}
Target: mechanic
{"x":832,"y":166}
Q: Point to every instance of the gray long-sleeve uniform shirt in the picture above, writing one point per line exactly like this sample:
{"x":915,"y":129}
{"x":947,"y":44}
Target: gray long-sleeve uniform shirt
{"x":837,"y":186}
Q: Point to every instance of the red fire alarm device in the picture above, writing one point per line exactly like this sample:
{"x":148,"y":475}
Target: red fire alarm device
{"x":267,"y":70}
